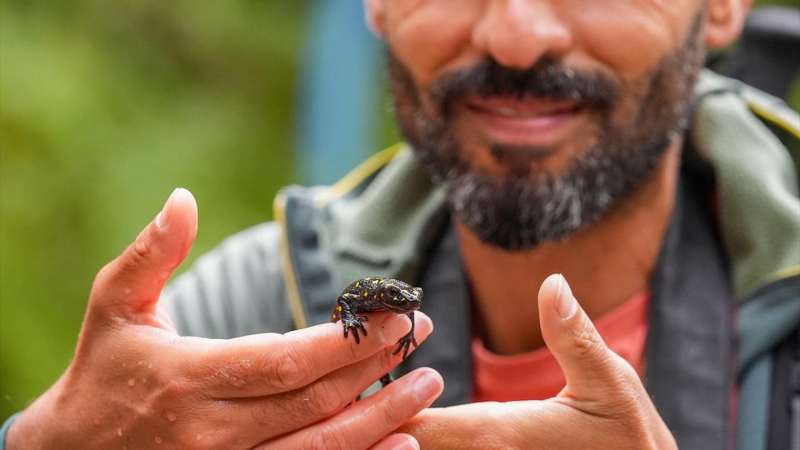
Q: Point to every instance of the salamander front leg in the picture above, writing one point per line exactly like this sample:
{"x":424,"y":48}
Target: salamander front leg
{"x":349,"y":319}
{"x":405,"y":342}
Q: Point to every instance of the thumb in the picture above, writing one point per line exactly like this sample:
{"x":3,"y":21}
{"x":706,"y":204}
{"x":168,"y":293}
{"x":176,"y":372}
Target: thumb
{"x":132,"y":283}
{"x":592,"y":370}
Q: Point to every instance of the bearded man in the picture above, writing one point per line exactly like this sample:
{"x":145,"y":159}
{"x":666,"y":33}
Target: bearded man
{"x":547,"y":141}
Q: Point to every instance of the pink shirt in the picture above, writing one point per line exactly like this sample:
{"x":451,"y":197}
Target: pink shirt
{"x":537,"y":376}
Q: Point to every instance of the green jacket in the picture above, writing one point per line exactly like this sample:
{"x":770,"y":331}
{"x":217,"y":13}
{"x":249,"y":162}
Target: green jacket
{"x":732,"y":251}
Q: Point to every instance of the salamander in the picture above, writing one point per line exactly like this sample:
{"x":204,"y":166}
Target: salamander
{"x":377,"y":294}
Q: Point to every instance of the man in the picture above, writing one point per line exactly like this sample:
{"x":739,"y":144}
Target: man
{"x":561,"y":137}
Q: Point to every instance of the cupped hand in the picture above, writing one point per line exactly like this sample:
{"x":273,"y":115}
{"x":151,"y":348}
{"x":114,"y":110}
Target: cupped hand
{"x":135,"y":383}
{"x":603,"y":406}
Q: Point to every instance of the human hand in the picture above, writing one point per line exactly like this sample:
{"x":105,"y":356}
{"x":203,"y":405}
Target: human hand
{"x":134,"y":383}
{"x":603,"y":406}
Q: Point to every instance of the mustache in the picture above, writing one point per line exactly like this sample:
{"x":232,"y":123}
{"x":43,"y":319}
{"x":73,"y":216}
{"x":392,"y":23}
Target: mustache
{"x":547,"y":79}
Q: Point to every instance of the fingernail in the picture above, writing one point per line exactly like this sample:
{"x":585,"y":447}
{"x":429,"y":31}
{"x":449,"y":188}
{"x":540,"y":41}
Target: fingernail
{"x":426,"y":387}
{"x":393,"y":328}
{"x":565,"y":301}
{"x":162,"y":219}
{"x":408,"y":444}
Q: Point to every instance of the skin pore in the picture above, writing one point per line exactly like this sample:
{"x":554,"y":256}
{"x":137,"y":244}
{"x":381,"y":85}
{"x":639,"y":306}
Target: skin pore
{"x":649,"y":51}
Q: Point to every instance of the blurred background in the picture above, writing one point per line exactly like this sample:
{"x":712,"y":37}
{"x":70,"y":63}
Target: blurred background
{"x":106,"y":107}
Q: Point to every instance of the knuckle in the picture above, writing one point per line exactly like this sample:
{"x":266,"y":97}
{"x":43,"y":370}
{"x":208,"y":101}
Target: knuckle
{"x":394,"y":411}
{"x":325,"y":438}
{"x":325,"y":398}
{"x":624,"y":382}
{"x":587,"y":340}
{"x":102,"y":277}
{"x":626,"y":371}
{"x":287,"y":369}
{"x":628,"y":400}
{"x":392,"y":414}
{"x":139,"y":251}
{"x":100,"y":286}
{"x":263,"y":413}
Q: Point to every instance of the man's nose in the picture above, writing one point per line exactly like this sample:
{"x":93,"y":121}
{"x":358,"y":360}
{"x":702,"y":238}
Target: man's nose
{"x":517,"y":33}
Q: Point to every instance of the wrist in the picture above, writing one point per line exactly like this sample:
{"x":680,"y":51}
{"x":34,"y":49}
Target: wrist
{"x":34,"y":427}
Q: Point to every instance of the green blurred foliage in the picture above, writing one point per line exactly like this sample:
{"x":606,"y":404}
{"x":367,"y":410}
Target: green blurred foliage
{"x":106,"y":107}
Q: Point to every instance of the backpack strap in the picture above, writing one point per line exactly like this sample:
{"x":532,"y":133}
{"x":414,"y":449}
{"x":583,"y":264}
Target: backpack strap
{"x":689,"y":353}
{"x":784,"y":409}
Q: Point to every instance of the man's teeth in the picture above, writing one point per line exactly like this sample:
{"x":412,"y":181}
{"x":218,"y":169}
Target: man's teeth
{"x":509,"y":112}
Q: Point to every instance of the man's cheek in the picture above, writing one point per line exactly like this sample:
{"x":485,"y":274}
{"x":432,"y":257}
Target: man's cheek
{"x":628,"y":44}
{"x":430,"y":44}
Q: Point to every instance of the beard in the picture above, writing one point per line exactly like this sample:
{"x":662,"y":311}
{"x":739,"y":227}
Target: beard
{"x":633,"y":125}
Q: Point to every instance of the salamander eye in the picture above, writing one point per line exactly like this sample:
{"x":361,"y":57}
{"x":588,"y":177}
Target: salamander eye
{"x":392,"y":291}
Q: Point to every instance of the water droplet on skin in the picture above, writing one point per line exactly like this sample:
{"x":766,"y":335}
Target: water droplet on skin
{"x":150,"y":366}
{"x":119,"y":431}
{"x":131,"y":382}
{"x":159,"y":440}
{"x":127,"y":290}
{"x":172,"y":417}
{"x":199,"y":436}
{"x":140,"y":363}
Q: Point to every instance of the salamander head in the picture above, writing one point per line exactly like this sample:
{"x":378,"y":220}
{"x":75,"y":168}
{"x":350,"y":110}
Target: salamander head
{"x":400,"y":297}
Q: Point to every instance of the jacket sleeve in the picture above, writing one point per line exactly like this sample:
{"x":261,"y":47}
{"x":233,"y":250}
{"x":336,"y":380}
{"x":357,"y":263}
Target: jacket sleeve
{"x":234,"y":290}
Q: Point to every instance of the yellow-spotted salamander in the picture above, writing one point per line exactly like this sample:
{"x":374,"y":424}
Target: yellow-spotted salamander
{"x":377,"y":294}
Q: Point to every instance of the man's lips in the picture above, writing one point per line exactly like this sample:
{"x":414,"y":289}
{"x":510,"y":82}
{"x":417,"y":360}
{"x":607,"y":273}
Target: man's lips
{"x":526,"y":121}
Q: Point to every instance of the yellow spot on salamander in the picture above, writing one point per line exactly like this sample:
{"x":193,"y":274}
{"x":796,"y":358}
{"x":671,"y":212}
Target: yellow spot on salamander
{"x":366,"y":295}
{"x":382,"y":294}
{"x":340,"y":307}
{"x":358,"y":284}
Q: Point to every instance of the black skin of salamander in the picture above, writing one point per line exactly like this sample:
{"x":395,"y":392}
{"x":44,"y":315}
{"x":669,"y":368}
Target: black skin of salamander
{"x":377,"y":294}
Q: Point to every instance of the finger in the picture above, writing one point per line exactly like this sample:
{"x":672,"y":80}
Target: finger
{"x":266,"y":364}
{"x":132,"y":283}
{"x":320,"y":399}
{"x":472,"y":426}
{"x":370,"y":420}
{"x":592,"y":370}
{"x":398,"y":441}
